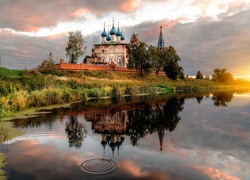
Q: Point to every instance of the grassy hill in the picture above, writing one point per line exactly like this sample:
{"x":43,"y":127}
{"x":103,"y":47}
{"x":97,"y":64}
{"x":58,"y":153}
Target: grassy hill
{"x":32,"y":88}
{"x":8,"y":72}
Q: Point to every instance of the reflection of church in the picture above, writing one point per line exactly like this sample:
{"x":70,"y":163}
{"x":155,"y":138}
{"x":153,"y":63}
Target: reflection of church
{"x":111,"y":50}
{"x":112,"y":127}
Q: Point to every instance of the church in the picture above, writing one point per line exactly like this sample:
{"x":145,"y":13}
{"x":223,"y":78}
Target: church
{"x":111,"y":54}
{"x":112,"y":49}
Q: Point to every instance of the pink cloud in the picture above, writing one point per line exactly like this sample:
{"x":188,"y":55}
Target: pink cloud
{"x":130,"y":5}
{"x":213,"y":173}
{"x":134,"y":170}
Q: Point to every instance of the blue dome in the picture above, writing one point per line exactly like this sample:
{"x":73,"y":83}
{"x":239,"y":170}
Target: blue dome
{"x":112,"y":31}
{"x":118,"y":33}
{"x":122,"y":37}
{"x":104,"y":34}
{"x":108,"y":38}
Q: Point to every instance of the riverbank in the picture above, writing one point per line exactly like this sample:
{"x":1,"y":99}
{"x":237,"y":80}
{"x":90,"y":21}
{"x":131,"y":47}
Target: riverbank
{"x":22,"y":90}
{"x":2,"y":162}
{"x":7,"y":132}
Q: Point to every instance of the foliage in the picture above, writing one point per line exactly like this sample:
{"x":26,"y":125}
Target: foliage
{"x":158,"y":57}
{"x":222,"y":76}
{"x":133,"y":51}
{"x":75,"y":46}
{"x":207,"y":77}
{"x":147,"y":58}
{"x":2,"y":163}
{"x":222,"y":98}
{"x":48,"y":62}
{"x":138,"y":55}
{"x":8,"y":72}
{"x":148,"y":119}
{"x":199,"y":75}
{"x":35,"y":88}
{"x":173,"y":70}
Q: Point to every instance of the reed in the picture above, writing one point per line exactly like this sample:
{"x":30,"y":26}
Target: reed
{"x":25,"y":89}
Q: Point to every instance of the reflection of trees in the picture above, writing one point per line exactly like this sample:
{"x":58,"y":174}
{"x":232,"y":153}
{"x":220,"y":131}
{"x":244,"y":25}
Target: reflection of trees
{"x":148,"y":119}
{"x":222,"y":98}
{"x":199,"y":99}
{"x":75,"y":131}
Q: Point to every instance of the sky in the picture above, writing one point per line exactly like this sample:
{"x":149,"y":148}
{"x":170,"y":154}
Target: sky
{"x":206,"y":34}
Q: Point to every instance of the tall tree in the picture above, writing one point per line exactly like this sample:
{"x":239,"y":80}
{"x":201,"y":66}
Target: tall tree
{"x":172,"y":69}
{"x":222,"y":76}
{"x":132,"y":49}
{"x":75,"y":47}
{"x":199,"y":75}
{"x":138,"y":54}
{"x":48,"y":62}
{"x":158,"y":57}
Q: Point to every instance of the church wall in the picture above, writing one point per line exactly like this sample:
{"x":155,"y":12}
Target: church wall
{"x":116,"y":53}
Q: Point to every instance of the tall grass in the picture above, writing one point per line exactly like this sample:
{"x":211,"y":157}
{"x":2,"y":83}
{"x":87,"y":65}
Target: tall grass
{"x":35,"y":88}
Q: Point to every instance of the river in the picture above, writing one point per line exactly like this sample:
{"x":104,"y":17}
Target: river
{"x":198,"y":136}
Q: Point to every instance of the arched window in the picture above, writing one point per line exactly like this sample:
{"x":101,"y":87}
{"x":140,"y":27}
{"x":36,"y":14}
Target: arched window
{"x":119,"y":61}
{"x":103,"y":59}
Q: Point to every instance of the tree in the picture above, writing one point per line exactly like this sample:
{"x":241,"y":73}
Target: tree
{"x":220,"y":75}
{"x":138,"y":55}
{"x":132,"y":50}
{"x":158,"y":57}
{"x":48,"y":62}
{"x":199,"y":75}
{"x":172,"y":69}
{"x":75,"y":46}
{"x":207,"y":77}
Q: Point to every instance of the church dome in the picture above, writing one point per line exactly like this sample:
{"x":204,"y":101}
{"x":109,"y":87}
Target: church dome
{"x":113,"y":31}
{"x":122,"y":37}
{"x":104,"y":34}
{"x":118,"y":33}
{"x":108,"y":38}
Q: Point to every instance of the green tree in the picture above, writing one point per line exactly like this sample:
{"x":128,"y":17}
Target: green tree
{"x":158,"y":57}
{"x":133,"y":51}
{"x":172,"y":69}
{"x":220,"y":75}
{"x":138,"y":55}
{"x":75,"y":46}
{"x":199,"y":75}
{"x":48,"y":62}
{"x":207,"y":77}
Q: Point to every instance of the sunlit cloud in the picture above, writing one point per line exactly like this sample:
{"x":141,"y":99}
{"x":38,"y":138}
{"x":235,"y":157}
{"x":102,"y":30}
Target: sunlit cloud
{"x":133,"y":170}
{"x":214,"y":174}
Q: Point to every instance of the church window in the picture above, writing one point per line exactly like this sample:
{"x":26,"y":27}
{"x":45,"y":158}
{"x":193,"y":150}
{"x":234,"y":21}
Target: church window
{"x":119,"y":61}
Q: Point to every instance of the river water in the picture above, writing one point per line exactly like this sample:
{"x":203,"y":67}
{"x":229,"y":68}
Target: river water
{"x":202,"y":136}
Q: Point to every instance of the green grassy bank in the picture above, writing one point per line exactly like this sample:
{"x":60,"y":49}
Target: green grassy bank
{"x":2,"y":162}
{"x":7,"y":132}
{"x":27,"y":89}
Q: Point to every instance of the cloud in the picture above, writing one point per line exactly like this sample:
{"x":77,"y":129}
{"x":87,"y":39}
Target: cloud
{"x":31,"y":16}
{"x":214,"y":174}
{"x":203,"y":44}
{"x":20,"y":51}
{"x":133,"y":171}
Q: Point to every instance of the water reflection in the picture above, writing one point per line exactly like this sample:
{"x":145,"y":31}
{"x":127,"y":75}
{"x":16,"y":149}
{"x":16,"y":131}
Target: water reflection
{"x":222,"y":98}
{"x":130,"y":135}
{"x":75,"y":131}
{"x":135,"y":122}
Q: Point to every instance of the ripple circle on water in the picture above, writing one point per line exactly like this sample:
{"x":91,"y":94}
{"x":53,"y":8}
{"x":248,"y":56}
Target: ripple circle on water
{"x":98,"y":166}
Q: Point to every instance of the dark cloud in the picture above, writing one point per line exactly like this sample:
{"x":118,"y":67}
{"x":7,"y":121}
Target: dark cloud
{"x":205,"y":44}
{"x":21,"y":51}
{"x":202,"y":45}
{"x":28,"y":15}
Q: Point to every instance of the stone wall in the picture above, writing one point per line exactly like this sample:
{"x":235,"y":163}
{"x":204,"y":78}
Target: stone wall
{"x":110,"y":67}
